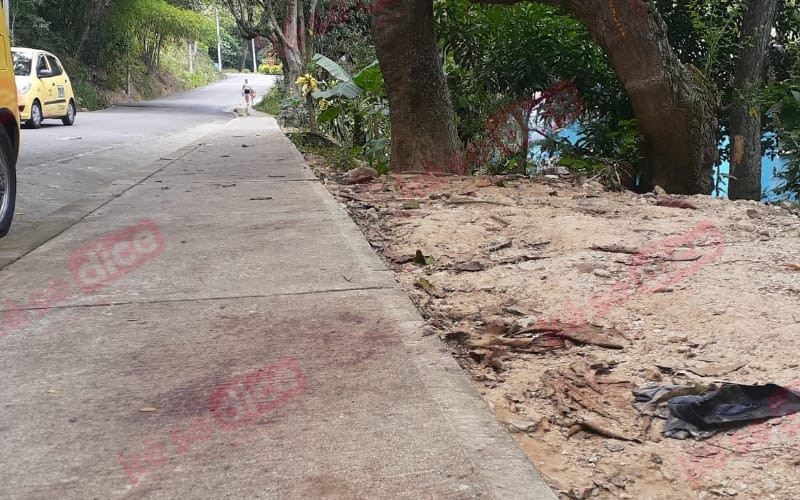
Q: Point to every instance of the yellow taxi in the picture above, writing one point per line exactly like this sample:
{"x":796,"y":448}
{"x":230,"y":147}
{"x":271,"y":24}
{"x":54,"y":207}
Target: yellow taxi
{"x":43,"y":87}
{"x":9,"y":130}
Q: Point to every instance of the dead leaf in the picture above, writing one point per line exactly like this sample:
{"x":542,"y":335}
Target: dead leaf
{"x":396,"y":258}
{"x":792,"y":266}
{"x":589,"y":334}
{"x":428,"y":287}
{"x":494,"y":359}
{"x":488,"y":336}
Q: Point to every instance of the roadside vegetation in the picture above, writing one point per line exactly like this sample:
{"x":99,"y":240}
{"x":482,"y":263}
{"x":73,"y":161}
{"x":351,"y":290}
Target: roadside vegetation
{"x":271,"y":103}
{"x":526,"y":87}
{"x":521,"y":87}
{"x":137,"y":49}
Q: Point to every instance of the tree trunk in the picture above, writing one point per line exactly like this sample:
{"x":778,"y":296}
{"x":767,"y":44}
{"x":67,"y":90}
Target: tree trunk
{"x":243,"y":60}
{"x":359,"y":134}
{"x":745,"y":115}
{"x":674,"y":104}
{"x":94,"y":13}
{"x":312,"y":114}
{"x":422,"y":120}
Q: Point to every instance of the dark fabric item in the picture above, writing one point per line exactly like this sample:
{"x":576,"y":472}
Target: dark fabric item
{"x":732,"y":405}
{"x":651,"y":400}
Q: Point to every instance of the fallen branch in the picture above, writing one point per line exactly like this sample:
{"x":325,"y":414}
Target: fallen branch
{"x":583,"y":335}
{"x":354,"y":198}
{"x":614,"y":249}
{"x":474,"y":202}
{"x":500,"y":220}
{"x":499,"y":246}
{"x":598,"y":428}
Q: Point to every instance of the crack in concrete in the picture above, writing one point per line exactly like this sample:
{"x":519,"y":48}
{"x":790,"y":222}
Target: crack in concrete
{"x":200,"y":299}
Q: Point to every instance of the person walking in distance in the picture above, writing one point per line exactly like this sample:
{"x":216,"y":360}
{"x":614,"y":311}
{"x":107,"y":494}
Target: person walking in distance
{"x":249,"y":95}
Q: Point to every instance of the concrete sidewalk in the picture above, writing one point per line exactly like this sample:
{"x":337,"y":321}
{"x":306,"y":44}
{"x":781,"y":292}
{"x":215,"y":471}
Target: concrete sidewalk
{"x":223,"y":330}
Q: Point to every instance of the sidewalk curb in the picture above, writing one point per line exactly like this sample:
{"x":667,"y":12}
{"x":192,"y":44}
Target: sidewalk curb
{"x":497,"y":460}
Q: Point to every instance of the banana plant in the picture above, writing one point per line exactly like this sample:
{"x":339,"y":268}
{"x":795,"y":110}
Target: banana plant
{"x":355,"y":99}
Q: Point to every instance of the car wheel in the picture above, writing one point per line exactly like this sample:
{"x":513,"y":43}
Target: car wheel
{"x":69,"y":118}
{"x":36,"y":115}
{"x":8,"y":183}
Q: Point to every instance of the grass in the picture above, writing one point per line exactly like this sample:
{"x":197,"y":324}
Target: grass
{"x":86,"y":95}
{"x":174,"y":60}
{"x":271,"y":103}
{"x":343,"y":159}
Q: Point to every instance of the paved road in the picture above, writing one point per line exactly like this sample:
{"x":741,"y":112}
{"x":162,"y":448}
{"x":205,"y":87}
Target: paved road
{"x":66,"y":172}
{"x":223,"y":330}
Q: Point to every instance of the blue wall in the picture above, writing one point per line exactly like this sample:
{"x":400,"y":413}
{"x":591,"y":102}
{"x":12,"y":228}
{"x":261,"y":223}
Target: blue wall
{"x":769,"y":168}
{"x":769,"y":178}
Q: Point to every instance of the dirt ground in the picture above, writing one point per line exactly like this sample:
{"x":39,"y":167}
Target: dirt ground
{"x":559,"y":298}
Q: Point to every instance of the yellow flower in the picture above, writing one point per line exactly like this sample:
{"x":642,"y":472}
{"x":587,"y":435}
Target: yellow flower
{"x":309,"y":83}
{"x":323,"y":104}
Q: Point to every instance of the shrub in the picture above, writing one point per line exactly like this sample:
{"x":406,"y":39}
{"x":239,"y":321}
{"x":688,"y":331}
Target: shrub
{"x":270,"y":69}
{"x":271,"y":103}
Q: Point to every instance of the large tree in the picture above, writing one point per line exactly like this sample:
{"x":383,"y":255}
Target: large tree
{"x":423,"y":124}
{"x":745,"y":115}
{"x":674,"y":103}
{"x":288,"y":24}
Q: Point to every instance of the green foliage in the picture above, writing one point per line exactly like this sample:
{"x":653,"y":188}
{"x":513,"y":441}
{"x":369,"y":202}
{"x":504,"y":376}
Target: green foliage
{"x":293,"y":112}
{"x":717,"y":25}
{"x":376,"y":152}
{"x":86,"y":95}
{"x":343,"y":33}
{"x":99,"y":41}
{"x":355,"y":112}
{"x":340,"y":157}
{"x":785,"y":118}
{"x":346,"y":88}
{"x":270,"y":69}
{"x":498,"y":55}
{"x":174,"y":62}
{"x":271,"y":103}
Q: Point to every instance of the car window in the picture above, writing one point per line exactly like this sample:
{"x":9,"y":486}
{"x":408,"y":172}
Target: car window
{"x":41,"y":64}
{"x":22,"y":63}
{"x":54,"y":65}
